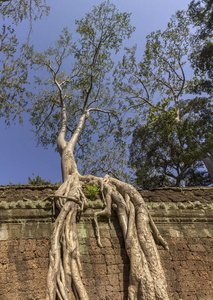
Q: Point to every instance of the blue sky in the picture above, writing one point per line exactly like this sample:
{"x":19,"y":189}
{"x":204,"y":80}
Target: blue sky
{"x":19,"y":155}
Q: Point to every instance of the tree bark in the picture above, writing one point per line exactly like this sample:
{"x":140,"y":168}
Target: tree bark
{"x":146,"y":279}
{"x":209,"y":165}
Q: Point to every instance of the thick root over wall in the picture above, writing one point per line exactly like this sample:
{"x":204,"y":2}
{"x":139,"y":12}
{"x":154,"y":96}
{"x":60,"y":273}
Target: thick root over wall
{"x":146,"y":278}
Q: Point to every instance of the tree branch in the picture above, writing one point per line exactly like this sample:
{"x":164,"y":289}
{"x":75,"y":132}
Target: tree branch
{"x":72,"y":142}
{"x":46,"y":118}
{"x":183,"y":80}
{"x":100,"y":110}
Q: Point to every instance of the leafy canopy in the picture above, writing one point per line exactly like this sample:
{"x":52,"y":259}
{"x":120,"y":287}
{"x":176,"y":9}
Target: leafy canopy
{"x":18,"y":10}
{"x":159,"y":74}
{"x":13,"y":59}
{"x":169,"y":143}
{"x":201,"y":16}
{"x":166,"y":153}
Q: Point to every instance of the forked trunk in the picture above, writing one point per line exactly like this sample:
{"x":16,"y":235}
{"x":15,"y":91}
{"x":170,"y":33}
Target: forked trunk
{"x":146,"y":279}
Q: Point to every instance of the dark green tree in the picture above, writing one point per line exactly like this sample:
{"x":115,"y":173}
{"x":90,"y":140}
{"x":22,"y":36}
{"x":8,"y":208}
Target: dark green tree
{"x":201,"y":16}
{"x":166,"y":153}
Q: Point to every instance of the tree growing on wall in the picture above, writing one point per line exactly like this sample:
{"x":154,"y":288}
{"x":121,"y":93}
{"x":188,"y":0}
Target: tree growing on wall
{"x":69,"y":108}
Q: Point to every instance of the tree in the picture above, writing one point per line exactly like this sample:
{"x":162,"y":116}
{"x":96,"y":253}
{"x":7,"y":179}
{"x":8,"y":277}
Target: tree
{"x":165,"y":153}
{"x":13,"y":61}
{"x":13,"y":77}
{"x":160,"y":76}
{"x":201,"y":16}
{"x":160,"y":73}
{"x":79,"y":102}
{"x":18,"y":10}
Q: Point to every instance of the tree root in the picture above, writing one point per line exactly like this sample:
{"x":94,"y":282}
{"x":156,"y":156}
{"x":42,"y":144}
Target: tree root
{"x":146,"y":279}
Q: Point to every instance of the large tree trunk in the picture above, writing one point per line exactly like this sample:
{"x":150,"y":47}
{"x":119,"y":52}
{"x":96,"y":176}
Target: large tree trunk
{"x":146,"y":278}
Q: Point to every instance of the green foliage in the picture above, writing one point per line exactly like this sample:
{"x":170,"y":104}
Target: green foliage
{"x":174,"y":135}
{"x":201,"y":15}
{"x":92,"y":190}
{"x":166,"y":153}
{"x":18,"y":10}
{"x":104,"y":26}
{"x":165,"y":56}
{"x":13,"y":59}
{"x":13,"y":76}
{"x":160,"y":74}
{"x":39,"y":181}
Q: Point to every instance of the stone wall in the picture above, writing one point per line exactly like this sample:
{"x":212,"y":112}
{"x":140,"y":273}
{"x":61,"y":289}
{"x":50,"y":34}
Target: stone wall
{"x":25,"y":228}
{"x":183,"y":216}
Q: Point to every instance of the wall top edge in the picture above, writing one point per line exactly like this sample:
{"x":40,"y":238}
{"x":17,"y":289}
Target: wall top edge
{"x":55,"y":187}
{"x":179,"y":189}
{"x":28,"y":186}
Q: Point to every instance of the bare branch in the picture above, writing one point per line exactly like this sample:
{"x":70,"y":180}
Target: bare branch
{"x":170,"y":66}
{"x":184,"y":79}
{"x":144,"y":86}
{"x":107,"y":171}
{"x":59,"y":62}
{"x":100,"y":110}
{"x":46,"y":118}
{"x":91,"y":75}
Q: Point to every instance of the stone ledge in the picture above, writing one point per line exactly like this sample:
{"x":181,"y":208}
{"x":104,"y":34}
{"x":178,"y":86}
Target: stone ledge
{"x":20,"y":205}
{"x":28,"y":186}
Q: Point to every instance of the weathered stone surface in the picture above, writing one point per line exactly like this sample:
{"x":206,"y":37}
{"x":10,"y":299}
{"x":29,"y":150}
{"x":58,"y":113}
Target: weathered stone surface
{"x":183,"y":216}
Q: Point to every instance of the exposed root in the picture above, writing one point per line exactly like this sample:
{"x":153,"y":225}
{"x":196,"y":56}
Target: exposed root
{"x":146,"y":280}
{"x":65,"y":268}
{"x":156,"y":234}
{"x":106,"y":212}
